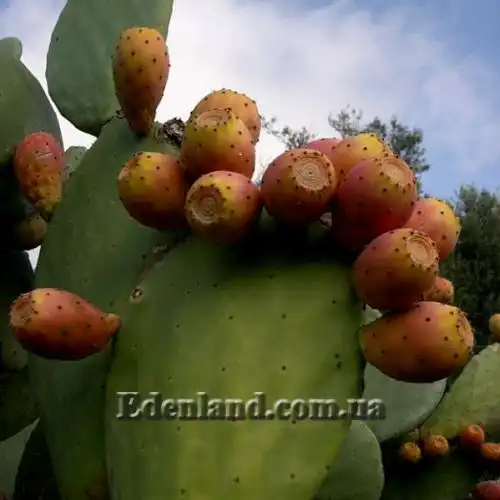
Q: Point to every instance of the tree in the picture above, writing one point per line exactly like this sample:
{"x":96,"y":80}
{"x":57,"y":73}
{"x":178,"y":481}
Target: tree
{"x":474,"y":266}
{"x":406,"y":142}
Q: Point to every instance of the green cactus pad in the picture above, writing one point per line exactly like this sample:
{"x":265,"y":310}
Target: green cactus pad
{"x":24,"y":105}
{"x":17,"y":406}
{"x":232,"y":321}
{"x":407,"y":405}
{"x":357,"y":474}
{"x":74,"y":155}
{"x":35,"y":474}
{"x":474,"y":398}
{"x":16,"y":277}
{"x":449,"y":478}
{"x":79,"y":69}
{"x":11,"y":46}
{"x":11,"y":451}
{"x":99,"y":260}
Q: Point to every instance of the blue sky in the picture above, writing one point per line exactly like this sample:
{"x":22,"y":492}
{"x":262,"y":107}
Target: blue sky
{"x":432,"y":63}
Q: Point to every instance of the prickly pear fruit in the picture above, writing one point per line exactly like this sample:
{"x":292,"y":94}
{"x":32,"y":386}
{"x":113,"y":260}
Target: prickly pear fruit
{"x":442,"y":291}
{"x":324,"y":145}
{"x":436,"y":446}
{"x":223,"y":206}
{"x":29,"y":233}
{"x":486,"y":490}
{"x":378,"y":193}
{"x":410,"y":452}
{"x":472,"y":436}
{"x":351,"y":150}
{"x":217,"y":140}
{"x":494,"y":324}
{"x":437,"y":219}
{"x":153,"y":190}
{"x":490,"y":451}
{"x":39,"y":166}
{"x":56,"y":324}
{"x":395,"y":269}
{"x":298,"y":186}
{"x":240,"y":104}
{"x":426,"y":343}
{"x":141,"y":66}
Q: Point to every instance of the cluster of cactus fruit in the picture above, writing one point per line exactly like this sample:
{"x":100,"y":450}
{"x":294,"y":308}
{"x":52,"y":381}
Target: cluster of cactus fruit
{"x":166,"y":267}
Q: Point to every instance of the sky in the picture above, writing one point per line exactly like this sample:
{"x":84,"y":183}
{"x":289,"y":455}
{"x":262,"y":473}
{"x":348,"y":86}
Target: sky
{"x":433,"y":64}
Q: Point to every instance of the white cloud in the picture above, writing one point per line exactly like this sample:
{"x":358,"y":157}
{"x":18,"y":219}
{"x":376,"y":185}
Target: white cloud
{"x":302,"y":65}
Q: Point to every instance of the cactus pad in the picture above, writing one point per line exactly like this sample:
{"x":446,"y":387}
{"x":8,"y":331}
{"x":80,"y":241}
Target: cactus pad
{"x":11,"y":46}
{"x":74,"y":155}
{"x":474,"y":398}
{"x":80,"y":51}
{"x":209,"y":318}
{"x":23,"y":104}
{"x":357,"y":474}
{"x":100,"y":261}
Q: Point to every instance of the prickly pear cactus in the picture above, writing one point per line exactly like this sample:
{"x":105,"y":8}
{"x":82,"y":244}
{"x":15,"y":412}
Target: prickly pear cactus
{"x":24,"y":104}
{"x":358,"y":473}
{"x":474,"y":398}
{"x":215,"y":316}
{"x":74,"y":155}
{"x":79,"y":57}
{"x":101,"y":259}
{"x":11,"y":46}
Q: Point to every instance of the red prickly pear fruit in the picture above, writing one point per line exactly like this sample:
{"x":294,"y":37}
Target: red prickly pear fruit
{"x":240,"y":104}
{"x":141,"y":66}
{"x":441,"y":291}
{"x":153,"y":189}
{"x":223,"y":206}
{"x":39,"y":164}
{"x":298,"y":186}
{"x":486,"y":490}
{"x":436,"y":446}
{"x":410,"y":452}
{"x":217,"y":140}
{"x":426,"y":343}
{"x":472,"y":436}
{"x":56,"y":324}
{"x":351,"y":150}
{"x":324,"y":145}
{"x":395,"y":269}
{"x":490,"y":451}
{"x":378,"y":194}
{"x":494,"y":325}
{"x":437,"y":219}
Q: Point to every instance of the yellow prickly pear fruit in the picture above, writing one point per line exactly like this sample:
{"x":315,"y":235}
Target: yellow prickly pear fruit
{"x":410,"y":452}
{"x":141,"y":66}
{"x":436,"y":446}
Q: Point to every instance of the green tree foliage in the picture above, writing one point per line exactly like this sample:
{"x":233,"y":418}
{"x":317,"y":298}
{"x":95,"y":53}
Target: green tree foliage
{"x":474,"y":267}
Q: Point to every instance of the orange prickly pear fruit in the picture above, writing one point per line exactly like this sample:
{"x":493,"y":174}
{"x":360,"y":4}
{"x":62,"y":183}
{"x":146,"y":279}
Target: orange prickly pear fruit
{"x":472,"y":436}
{"x":494,"y":324}
{"x":410,"y":452}
{"x":298,"y":186}
{"x":223,"y":206}
{"x":442,"y":291}
{"x":240,"y":104}
{"x":426,"y":343}
{"x":436,"y":446}
{"x":350,"y":151}
{"x":490,"y":451}
{"x":437,"y":219}
{"x":153,"y":190}
{"x":324,"y":145}
{"x":486,"y":490}
{"x":217,"y":140}
{"x":395,"y":269}
{"x":141,"y":67}
{"x":56,"y":324}
{"x":39,"y":164}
